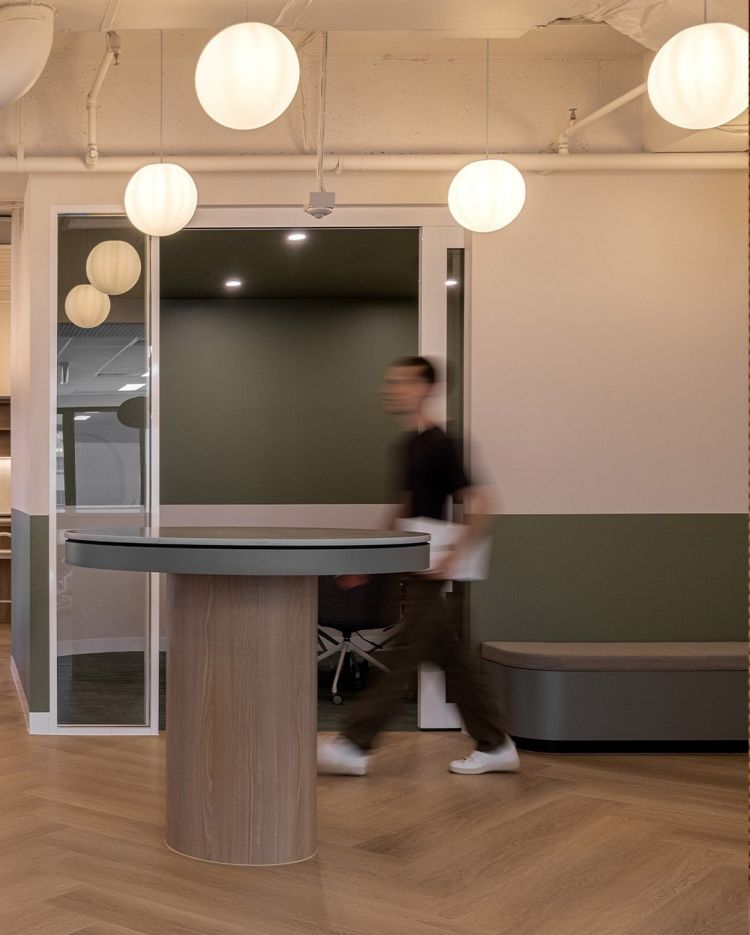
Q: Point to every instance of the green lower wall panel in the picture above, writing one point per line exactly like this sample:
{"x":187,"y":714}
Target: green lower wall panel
{"x":30,"y":608}
{"x":626,"y":577}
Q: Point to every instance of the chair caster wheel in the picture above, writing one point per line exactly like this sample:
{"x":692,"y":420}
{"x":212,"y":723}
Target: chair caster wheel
{"x":337,"y":699}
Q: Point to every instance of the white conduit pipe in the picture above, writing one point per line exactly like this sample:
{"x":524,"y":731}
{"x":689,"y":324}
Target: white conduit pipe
{"x":409,"y":162}
{"x":574,"y":125}
{"x":114,"y":46}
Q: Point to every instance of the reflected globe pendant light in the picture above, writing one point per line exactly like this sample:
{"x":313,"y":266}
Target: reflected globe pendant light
{"x":161,"y":197}
{"x":247,"y":76}
{"x":486,"y":195}
{"x":86,"y":306}
{"x":113,"y":266}
{"x":698,"y":78}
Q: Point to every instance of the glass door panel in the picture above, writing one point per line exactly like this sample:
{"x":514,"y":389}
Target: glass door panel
{"x":102,"y":479}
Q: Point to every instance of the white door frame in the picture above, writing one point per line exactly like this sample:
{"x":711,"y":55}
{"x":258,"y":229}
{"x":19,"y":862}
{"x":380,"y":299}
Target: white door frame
{"x":438,"y":233}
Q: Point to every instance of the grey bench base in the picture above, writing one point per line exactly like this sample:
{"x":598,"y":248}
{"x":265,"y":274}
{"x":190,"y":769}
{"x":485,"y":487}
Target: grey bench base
{"x":677,"y":707}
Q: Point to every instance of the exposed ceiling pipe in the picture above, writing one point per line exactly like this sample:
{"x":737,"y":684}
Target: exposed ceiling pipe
{"x":575,"y":124}
{"x":408,"y":162}
{"x":112,"y":54}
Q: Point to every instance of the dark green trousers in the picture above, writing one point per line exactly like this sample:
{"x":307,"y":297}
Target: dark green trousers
{"x":427,"y":635}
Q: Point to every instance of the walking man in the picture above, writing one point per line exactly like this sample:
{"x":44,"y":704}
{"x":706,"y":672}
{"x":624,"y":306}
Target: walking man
{"x":430,"y":474}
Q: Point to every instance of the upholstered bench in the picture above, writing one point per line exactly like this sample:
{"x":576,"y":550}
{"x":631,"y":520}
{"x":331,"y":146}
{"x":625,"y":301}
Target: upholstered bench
{"x":621,"y":696}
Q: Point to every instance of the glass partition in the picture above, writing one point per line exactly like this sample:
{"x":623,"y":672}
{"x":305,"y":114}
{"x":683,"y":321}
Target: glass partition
{"x":102,"y":478}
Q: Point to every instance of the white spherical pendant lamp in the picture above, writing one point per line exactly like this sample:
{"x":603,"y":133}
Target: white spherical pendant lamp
{"x":247,"y":76}
{"x":486,"y":195}
{"x":113,"y":266}
{"x":160,"y":199}
{"x":86,"y":307}
{"x":698,"y":79}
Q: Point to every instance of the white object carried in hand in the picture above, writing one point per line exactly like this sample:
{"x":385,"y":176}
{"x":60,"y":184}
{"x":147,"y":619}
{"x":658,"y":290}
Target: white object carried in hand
{"x":473,"y":561}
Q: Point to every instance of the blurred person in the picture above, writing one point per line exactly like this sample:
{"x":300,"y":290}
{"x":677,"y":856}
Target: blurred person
{"x":430,"y":473}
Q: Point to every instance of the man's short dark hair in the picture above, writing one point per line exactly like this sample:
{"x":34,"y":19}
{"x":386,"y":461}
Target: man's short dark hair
{"x":427,"y":371}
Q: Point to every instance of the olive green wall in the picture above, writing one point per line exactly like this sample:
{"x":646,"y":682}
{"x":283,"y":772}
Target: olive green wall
{"x":30,"y":608}
{"x":277,"y":401}
{"x":614,"y":577}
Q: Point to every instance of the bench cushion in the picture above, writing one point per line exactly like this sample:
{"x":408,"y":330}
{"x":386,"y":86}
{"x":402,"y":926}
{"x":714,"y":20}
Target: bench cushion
{"x":619,"y":657}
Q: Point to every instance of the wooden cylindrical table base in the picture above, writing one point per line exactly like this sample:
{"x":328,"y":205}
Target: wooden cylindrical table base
{"x":241,"y":718}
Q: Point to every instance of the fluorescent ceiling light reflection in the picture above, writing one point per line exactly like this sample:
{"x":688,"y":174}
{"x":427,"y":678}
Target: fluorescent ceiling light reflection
{"x":451,"y":282}
{"x":81,"y":418}
{"x":130,"y":387}
{"x":297,"y":236}
{"x":233,"y":283}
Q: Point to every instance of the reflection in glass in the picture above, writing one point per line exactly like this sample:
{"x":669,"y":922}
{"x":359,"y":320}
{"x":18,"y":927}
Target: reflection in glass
{"x":102,"y":438}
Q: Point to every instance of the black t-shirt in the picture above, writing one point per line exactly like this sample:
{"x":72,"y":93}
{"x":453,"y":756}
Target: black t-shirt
{"x":430,"y":471}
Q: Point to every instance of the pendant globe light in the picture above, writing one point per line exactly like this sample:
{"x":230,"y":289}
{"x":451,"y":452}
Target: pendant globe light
{"x":698,"y":79}
{"x":488,"y":194}
{"x":86,"y":306}
{"x":161,"y":197}
{"x":113,"y":266}
{"x":247,"y":76}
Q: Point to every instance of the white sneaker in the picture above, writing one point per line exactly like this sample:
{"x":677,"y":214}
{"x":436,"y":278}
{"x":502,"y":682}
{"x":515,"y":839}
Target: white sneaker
{"x":340,"y":757}
{"x":504,"y":759}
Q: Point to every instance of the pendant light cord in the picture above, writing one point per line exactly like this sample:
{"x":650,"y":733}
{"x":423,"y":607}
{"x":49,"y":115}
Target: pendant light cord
{"x":161,"y":95}
{"x":487,"y":99}
{"x":322,"y":111}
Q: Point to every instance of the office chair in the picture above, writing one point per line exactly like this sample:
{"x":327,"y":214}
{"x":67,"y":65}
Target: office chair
{"x":350,"y":612}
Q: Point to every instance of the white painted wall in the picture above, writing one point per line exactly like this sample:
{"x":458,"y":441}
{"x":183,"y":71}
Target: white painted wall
{"x":609,"y":346}
{"x":5,"y":347}
{"x":5,"y":261}
{"x":607,"y":339}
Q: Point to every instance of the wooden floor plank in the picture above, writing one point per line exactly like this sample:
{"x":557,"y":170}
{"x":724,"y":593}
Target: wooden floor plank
{"x":572,"y":845}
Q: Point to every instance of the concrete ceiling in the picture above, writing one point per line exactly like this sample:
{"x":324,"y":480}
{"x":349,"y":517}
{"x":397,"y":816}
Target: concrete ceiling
{"x":510,"y":19}
{"x":648,"y":23}
{"x":404,"y":76}
{"x":99,"y":364}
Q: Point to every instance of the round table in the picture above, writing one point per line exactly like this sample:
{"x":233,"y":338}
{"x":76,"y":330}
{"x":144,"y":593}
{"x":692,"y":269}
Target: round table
{"x":242,"y":675}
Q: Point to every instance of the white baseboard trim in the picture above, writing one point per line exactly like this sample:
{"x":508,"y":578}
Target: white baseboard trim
{"x":40,"y":723}
{"x":114,"y":644}
{"x":37,"y":722}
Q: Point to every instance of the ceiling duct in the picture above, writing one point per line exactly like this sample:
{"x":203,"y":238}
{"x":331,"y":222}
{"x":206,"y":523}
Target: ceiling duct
{"x":26,"y":32}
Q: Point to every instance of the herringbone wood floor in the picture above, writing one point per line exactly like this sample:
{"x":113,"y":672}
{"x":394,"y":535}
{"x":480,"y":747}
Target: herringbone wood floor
{"x":610,"y":845}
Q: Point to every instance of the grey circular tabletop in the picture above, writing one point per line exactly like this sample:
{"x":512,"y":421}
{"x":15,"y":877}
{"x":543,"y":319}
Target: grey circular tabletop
{"x":260,"y":550}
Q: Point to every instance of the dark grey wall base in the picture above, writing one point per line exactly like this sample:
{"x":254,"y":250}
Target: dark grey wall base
{"x":631,"y":746}
{"x":30,"y":608}
{"x":622,"y":707}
